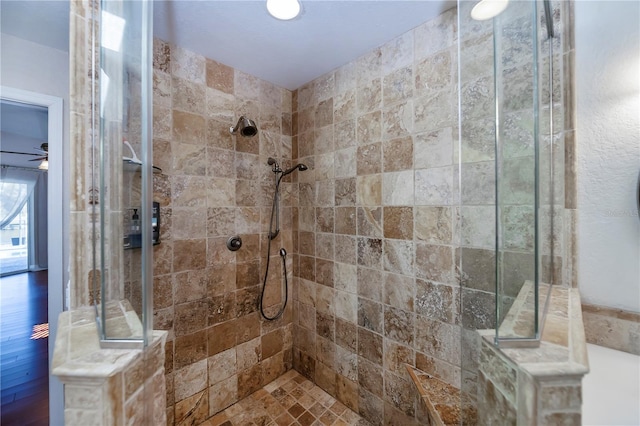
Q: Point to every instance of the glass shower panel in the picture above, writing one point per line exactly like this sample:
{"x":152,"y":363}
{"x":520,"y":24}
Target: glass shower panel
{"x":125,"y":171}
{"x":509,"y":167}
{"x":517,"y":151}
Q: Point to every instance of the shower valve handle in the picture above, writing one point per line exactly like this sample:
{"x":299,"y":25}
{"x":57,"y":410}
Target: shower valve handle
{"x":234,"y":243}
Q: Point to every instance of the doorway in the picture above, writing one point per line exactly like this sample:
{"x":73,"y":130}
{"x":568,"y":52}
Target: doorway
{"x":14,"y":236}
{"x":31,"y":301}
{"x":23,"y":264}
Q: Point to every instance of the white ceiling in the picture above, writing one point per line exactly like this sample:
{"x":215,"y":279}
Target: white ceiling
{"x":44,"y":22}
{"x":326,"y":35}
{"x":23,"y":128}
{"x":241,"y":33}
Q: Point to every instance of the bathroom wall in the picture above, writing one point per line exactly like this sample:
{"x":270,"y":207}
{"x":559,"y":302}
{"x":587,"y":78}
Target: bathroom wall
{"x":387,"y":232}
{"x":608,"y":108}
{"x":215,"y":185}
{"x":377,"y":285}
{"x":81,"y":218}
{"x":37,"y":68}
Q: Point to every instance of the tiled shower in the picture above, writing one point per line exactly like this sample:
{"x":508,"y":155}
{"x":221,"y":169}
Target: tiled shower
{"x":377,"y":223}
{"x":217,"y":185}
{"x":389,"y":232}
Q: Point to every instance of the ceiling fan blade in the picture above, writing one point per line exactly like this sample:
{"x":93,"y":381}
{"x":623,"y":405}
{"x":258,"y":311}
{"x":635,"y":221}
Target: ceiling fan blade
{"x":19,"y":153}
{"x":40,"y":159}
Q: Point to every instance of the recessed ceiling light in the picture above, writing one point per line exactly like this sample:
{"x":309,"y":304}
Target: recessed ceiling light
{"x":283,"y":9}
{"x":487,"y":9}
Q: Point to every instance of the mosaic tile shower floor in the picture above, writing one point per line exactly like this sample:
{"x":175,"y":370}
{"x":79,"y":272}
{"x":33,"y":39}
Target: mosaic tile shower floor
{"x":291,"y":399}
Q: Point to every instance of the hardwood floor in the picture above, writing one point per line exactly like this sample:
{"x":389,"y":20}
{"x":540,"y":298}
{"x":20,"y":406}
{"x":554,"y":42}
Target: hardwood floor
{"x":24,"y":375}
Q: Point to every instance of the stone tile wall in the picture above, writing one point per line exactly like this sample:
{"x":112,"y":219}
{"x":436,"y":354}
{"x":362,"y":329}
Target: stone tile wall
{"x":215,"y":185}
{"x":107,"y":386}
{"x":612,"y":328}
{"x":541,"y":385}
{"x":82,"y":194}
{"x":512,"y":395}
{"x":377,"y":286}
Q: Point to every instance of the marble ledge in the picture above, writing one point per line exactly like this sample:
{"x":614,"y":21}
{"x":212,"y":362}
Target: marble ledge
{"x":563,"y":347}
{"x":78,"y":357}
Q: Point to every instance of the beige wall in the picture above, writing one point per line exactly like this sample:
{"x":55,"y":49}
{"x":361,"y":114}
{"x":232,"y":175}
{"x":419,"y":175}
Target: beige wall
{"x":81,"y":149}
{"x":376,"y":219}
{"x":215,"y":185}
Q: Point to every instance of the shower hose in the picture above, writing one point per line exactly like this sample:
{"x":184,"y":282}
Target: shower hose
{"x":283,"y":255}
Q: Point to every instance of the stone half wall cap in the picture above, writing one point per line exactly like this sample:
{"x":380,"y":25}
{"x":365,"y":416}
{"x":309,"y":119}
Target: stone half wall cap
{"x":77,"y":355}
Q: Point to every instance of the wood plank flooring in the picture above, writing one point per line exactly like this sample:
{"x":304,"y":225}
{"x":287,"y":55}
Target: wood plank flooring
{"x":24,"y":375}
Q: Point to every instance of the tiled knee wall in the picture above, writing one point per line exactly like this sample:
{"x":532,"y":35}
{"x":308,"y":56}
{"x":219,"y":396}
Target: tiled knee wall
{"x":510,"y":395}
{"x":107,"y":386}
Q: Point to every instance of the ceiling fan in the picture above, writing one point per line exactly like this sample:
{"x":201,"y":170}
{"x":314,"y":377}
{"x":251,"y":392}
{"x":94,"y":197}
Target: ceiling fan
{"x":43,"y":155}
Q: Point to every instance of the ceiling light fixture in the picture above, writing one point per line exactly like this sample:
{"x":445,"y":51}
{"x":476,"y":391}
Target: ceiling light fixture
{"x":283,"y":9}
{"x":44,"y":165}
{"x":487,"y":9}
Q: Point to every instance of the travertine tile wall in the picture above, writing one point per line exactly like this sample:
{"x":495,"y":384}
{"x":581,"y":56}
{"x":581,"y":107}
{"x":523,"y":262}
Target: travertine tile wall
{"x":82,"y":193}
{"x":377,"y":285}
{"x":87,"y":192}
{"x":215,"y":185}
{"x":542,"y":385}
{"x":476,"y":258}
{"x":374,"y":224}
{"x":512,"y":395}
{"x":108,"y":386}
{"x":612,"y":328}
{"x":102,"y":386}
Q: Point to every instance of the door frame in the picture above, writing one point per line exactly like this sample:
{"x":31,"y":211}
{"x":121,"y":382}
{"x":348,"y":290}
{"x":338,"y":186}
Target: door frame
{"x":56,"y":211}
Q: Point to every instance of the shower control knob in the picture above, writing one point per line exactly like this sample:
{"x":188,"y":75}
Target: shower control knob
{"x":234,"y":243}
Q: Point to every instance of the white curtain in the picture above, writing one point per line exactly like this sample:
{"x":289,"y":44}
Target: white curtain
{"x":16,"y":186}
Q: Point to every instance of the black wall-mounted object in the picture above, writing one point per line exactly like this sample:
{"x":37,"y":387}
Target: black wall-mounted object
{"x":133,"y":238}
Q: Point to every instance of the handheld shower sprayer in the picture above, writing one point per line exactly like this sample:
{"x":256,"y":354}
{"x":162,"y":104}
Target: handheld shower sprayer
{"x":299,"y":166}
{"x":273,"y":233}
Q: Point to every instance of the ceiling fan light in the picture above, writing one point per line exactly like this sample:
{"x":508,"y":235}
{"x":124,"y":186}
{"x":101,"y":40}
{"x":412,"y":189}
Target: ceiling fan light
{"x":44,"y":165}
{"x":283,"y":9}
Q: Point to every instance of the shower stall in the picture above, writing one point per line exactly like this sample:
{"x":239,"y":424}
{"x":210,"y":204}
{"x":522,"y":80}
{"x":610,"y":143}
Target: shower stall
{"x":428,"y":224}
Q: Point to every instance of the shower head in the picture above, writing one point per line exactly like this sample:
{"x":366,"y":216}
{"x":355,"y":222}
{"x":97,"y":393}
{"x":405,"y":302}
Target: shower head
{"x":300,"y":167}
{"x":246,"y":127}
{"x":271,"y":161}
